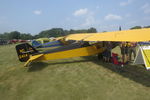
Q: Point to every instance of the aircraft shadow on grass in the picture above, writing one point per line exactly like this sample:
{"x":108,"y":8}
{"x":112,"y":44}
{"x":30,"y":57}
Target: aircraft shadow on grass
{"x":37,"y":66}
{"x":133,"y":72}
{"x":136,"y":73}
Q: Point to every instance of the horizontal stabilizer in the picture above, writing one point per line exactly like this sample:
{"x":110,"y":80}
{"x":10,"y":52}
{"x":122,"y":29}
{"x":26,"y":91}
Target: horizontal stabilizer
{"x":32,"y":58}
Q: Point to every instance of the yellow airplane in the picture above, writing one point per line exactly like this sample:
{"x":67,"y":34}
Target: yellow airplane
{"x":26,"y":53}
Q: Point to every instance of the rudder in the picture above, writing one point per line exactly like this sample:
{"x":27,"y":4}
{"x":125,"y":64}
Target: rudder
{"x":24,"y":51}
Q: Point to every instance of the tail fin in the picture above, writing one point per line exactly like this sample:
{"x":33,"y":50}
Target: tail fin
{"x":24,"y":50}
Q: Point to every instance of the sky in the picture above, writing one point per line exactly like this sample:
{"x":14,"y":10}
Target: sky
{"x":34,"y":16}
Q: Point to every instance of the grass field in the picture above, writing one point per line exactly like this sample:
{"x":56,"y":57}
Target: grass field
{"x":82,"y":78}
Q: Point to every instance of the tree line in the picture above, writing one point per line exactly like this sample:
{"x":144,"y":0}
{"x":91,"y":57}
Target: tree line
{"x":54,"y":32}
{"x":139,"y":27}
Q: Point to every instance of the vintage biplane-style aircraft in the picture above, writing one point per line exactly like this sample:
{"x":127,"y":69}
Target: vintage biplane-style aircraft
{"x":26,"y":53}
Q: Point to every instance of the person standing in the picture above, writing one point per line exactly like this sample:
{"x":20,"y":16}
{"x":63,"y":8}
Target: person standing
{"x":132,"y":49}
{"x":124,"y":47}
{"x":108,"y":51}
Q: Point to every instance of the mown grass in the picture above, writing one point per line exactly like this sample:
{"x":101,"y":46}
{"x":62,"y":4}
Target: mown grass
{"x":82,"y":78}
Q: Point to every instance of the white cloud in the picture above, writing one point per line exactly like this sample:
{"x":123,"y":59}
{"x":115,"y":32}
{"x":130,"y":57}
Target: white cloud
{"x":146,"y":8}
{"x":37,"y":12}
{"x":113,"y":17}
{"x":85,"y":18}
{"x":80,"y":12}
{"x":89,"y":21}
{"x":125,"y":3}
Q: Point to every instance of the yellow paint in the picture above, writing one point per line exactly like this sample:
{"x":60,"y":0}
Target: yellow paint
{"x":146,"y":54}
{"x":21,"y":50}
{"x":85,"y":51}
{"x":43,"y":40}
{"x":127,"y":35}
{"x":32,"y":58}
{"x":23,"y":56}
{"x":79,"y":37}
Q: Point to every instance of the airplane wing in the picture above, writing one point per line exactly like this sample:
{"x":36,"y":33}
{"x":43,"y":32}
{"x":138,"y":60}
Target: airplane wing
{"x":79,"y":37}
{"x":127,"y":35}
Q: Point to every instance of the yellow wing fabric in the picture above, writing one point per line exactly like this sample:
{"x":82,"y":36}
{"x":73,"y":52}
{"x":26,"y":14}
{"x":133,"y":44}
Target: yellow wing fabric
{"x":128,"y":35}
{"x":79,"y":37}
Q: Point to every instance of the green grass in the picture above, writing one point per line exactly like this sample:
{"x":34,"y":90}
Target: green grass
{"x":82,"y":78}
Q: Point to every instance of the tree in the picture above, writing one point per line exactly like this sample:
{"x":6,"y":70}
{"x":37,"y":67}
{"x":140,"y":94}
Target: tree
{"x":136,"y":27}
{"x":146,"y":26}
{"x":14,"y":35}
{"x":72,"y":31}
{"x":54,"y":32}
{"x":66,"y":32}
{"x":25,"y":36}
{"x":92,"y":30}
